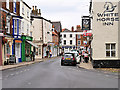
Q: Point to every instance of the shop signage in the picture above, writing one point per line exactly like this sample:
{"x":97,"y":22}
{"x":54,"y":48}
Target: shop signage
{"x":109,"y":16}
{"x":1,"y":34}
{"x":86,"y":24}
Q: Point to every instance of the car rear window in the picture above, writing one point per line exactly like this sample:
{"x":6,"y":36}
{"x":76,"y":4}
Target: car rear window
{"x":68,"y":56}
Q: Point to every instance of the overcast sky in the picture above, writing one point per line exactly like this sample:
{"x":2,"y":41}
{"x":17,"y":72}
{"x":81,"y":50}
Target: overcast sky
{"x":69,"y":12}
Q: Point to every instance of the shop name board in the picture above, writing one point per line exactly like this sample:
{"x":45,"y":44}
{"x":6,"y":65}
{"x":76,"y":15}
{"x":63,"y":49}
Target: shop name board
{"x":108,"y":17}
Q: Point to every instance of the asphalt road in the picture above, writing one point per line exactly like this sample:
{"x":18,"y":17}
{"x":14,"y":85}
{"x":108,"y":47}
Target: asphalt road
{"x":50,"y":74}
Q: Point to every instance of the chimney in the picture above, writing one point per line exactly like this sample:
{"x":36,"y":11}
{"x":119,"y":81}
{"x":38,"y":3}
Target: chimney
{"x":78,"y":27}
{"x":72,"y":29}
{"x":33,"y":8}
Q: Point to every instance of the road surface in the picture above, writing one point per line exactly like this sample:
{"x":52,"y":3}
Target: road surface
{"x":50,"y":74}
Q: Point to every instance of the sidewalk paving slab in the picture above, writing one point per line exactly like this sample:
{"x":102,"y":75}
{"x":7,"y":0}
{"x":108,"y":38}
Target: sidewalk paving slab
{"x":23,"y":64}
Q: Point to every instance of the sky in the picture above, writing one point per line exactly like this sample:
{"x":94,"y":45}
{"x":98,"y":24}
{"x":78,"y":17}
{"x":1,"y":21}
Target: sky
{"x":69,"y":12}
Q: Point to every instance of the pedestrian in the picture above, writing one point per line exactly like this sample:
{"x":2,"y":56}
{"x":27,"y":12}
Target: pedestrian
{"x":50,"y":52}
{"x":86,"y":58}
{"x":47,"y":53}
{"x":33,"y":56}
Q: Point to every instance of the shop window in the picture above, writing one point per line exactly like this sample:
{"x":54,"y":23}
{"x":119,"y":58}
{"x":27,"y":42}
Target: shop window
{"x":36,"y":52}
{"x":8,"y":49}
{"x":110,"y":50}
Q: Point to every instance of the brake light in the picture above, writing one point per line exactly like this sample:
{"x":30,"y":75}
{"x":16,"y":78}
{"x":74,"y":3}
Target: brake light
{"x":62,"y":58}
{"x":73,"y":58}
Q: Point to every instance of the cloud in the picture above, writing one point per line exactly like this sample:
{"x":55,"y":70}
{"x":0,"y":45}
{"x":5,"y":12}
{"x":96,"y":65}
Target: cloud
{"x":69,"y":12}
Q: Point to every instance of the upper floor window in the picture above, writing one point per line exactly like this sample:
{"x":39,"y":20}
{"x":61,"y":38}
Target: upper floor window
{"x":79,"y":42}
{"x":14,"y":6}
{"x":78,"y":36}
{"x":19,"y":26}
{"x":23,"y":9}
{"x":22,"y":27}
{"x":64,"y":35}
{"x":70,"y":42}
{"x":27,"y":29}
{"x":64,"y":42}
{"x":31,"y":34}
{"x":27,"y":13}
{"x":70,"y":35}
{"x":15,"y":27}
{"x":110,"y":50}
{"x":7,"y":4}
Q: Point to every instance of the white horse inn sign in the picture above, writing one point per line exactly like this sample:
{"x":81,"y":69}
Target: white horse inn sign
{"x":109,"y":15}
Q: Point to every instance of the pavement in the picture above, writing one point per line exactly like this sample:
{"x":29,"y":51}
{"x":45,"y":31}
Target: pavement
{"x":22,"y":64}
{"x":86,"y":65}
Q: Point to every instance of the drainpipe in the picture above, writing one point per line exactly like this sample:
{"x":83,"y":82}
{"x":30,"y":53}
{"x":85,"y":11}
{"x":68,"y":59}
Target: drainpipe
{"x":0,"y":50}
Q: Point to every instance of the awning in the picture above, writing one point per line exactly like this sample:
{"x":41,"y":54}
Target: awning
{"x":32,"y":44}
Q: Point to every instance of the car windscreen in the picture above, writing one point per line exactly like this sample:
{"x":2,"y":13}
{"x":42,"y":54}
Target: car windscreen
{"x":68,"y":56}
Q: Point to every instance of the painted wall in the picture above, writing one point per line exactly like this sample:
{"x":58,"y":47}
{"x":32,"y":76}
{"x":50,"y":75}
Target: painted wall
{"x":26,"y":18}
{"x":103,"y":34}
{"x":47,"y":27}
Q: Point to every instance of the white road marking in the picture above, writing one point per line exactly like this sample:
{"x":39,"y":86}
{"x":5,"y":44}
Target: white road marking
{"x":12,"y":74}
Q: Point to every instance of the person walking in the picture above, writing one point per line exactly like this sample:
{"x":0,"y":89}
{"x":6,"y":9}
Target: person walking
{"x":86,"y":58}
{"x":47,"y":53}
{"x":50,"y":52}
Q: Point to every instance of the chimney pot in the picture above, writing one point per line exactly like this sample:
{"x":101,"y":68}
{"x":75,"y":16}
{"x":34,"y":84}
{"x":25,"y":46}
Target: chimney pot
{"x":72,"y":29}
{"x":33,"y":7}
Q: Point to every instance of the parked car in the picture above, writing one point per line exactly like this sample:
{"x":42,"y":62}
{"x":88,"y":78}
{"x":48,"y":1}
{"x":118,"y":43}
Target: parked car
{"x":68,"y":58}
{"x":76,"y":55}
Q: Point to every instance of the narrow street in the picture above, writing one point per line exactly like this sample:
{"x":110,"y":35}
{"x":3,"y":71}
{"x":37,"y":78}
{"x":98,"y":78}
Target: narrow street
{"x":50,"y":74}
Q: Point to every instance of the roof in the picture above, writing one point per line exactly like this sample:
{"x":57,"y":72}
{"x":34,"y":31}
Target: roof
{"x":57,"y":26}
{"x":39,"y":17}
{"x":66,"y":30}
{"x":54,"y":33}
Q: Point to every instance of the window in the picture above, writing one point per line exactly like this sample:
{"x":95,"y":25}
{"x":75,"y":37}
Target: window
{"x":64,"y":42}
{"x":19,"y":26}
{"x":31,"y":34}
{"x":15,"y":28}
{"x":64,"y":35}
{"x":79,"y":42}
{"x":39,"y":51}
{"x":7,"y":4}
{"x":22,"y":27}
{"x":78,"y":36}
{"x":14,"y":6}
{"x":23,"y":9}
{"x":8,"y":49}
{"x":110,"y":50}
{"x":70,"y":41}
{"x":70,"y":35}
{"x":27,"y":13}
{"x":27,"y":29}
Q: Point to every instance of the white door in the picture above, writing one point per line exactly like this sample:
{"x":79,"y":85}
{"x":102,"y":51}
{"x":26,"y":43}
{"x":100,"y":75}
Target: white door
{"x":17,"y":51}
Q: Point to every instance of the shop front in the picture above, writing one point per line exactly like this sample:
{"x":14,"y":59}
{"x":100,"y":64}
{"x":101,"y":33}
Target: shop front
{"x":16,"y":49}
{"x":26,"y":48}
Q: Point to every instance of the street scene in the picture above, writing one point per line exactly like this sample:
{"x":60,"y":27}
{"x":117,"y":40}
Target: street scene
{"x":59,"y":44}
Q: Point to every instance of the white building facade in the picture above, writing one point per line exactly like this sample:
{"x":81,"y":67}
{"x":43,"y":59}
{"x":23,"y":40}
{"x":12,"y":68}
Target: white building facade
{"x":106,"y":33}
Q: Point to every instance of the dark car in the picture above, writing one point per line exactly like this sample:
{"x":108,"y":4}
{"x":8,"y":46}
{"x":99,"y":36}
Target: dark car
{"x":68,"y":58}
